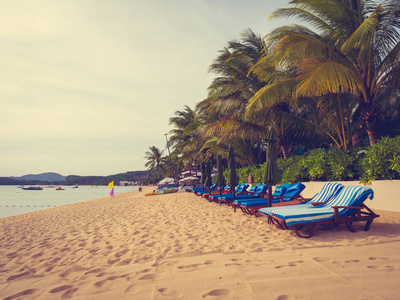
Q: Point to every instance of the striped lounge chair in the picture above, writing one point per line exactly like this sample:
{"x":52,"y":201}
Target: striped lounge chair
{"x":347,"y":207}
{"x":327,"y":192}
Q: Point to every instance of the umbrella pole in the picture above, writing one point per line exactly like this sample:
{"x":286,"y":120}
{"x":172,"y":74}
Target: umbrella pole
{"x":269,"y":196}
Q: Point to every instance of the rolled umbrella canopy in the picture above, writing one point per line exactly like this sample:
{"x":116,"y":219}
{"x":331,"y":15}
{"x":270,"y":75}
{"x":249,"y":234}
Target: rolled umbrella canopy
{"x":272,"y":174}
{"x":208,"y":180}
{"x":220,"y":174}
{"x":232,"y":170}
{"x":203,"y":172}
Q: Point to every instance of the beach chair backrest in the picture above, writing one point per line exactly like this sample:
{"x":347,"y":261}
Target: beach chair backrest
{"x":328,"y":191}
{"x":242,"y":187}
{"x":253,"y":188}
{"x":352,"y":195}
{"x":279,"y":191}
{"x":294,"y":190}
{"x":261,"y":189}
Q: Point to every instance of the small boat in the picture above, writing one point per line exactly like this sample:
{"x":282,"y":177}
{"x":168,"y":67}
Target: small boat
{"x":33,"y":188}
{"x":75,"y":187}
{"x":59,"y":189}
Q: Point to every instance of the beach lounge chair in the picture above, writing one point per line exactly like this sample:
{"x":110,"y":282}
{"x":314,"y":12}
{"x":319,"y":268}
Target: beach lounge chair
{"x":239,"y":190}
{"x":255,"y":192}
{"x":347,"y":207}
{"x":206,"y":190}
{"x":281,"y":196}
{"x":225,"y":189}
{"x":327,"y":192}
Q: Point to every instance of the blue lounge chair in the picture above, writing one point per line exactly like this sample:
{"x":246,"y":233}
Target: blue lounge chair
{"x":327,"y":192}
{"x":225,"y":189}
{"x":255,"y":192}
{"x":206,"y":190}
{"x":347,"y":207}
{"x":239,"y":190}
{"x":290,"y":195}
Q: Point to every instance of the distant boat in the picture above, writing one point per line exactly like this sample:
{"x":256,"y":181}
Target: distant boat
{"x":75,"y":187}
{"x":59,"y":189}
{"x":33,"y":188}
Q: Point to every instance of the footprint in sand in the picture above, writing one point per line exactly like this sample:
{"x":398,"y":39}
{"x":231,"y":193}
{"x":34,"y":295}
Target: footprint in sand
{"x":23,"y":293}
{"x":387,"y":268}
{"x":124,"y":262}
{"x":17,"y":276}
{"x":321,"y":259}
{"x":72,"y":272}
{"x":377,"y":258}
{"x":148,"y":277}
{"x":37,"y":255}
{"x":69,"y":293}
{"x":121,"y":253}
{"x":290,"y":264}
{"x":285,"y":297}
{"x":60,"y":289}
{"x":217,"y":292}
{"x":98,"y":270}
{"x":170,"y":293}
{"x":188,"y":266}
{"x":104,"y":284}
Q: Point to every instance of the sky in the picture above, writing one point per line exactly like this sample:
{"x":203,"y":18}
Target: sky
{"x":87,"y":86}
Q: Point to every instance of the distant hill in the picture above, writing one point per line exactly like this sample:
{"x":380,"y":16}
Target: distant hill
{"x":55,"y":178}
{"x":104,"y":180}
{"x":49,"y":177}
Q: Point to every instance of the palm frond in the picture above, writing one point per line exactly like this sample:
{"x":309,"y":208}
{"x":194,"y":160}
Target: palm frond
{"x":322,"y":76}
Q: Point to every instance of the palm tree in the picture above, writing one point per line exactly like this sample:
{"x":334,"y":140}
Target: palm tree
{"x":155,"y":160}
{"x":350,"y":47}
{"x":229,"y":93}
{"x":183,"y":122}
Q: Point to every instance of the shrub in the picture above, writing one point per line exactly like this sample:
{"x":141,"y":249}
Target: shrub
{"x":340,"y":164}
{"x":292,"y":169}
{"x":380,"y":161}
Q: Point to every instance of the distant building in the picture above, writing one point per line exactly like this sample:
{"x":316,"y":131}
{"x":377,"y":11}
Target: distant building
{"x":127,"y":183}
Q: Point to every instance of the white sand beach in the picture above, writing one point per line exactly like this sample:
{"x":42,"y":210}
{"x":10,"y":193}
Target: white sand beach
{"x":181,"y":246}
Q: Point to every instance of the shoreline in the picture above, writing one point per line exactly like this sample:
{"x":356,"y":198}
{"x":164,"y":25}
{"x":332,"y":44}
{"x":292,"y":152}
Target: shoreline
{"x":181,"y":246}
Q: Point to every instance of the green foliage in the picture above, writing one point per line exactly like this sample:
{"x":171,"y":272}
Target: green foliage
{"x":340,"y":164}
{"x":293,"y":169}
{"x":382,"y":160}
{"x":315,"y":162}
{"x":378,"y":162}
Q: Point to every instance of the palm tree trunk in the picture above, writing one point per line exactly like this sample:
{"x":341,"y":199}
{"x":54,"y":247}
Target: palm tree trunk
{"x":285,"y":151}
{"x":372,"y":131}
{"x":370,"y":120}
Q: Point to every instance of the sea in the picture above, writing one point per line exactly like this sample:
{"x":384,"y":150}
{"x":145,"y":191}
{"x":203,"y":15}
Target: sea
{"x":15,"y":201}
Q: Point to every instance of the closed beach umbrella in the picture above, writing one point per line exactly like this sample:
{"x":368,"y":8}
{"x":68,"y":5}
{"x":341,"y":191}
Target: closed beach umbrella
{"x":220,"y":175}
{"x":208,"y":175}
{"x":232,"y":170}
{"x":203,"y":172}
{"x":272,"y":173}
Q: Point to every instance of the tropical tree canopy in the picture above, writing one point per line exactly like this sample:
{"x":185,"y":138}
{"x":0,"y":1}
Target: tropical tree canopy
{"x":330,"y":79}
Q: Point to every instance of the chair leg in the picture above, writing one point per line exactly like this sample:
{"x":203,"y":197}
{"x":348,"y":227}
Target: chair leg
{"x":368,"y":225}
{"x":350,"y":226}
{"x":306,"y":236}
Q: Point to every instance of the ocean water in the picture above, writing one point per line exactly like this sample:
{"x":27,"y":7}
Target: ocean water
{"x":15,"y":201}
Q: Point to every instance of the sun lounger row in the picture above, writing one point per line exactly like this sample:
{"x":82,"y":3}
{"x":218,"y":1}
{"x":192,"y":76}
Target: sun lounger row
{"x":334,"y":204}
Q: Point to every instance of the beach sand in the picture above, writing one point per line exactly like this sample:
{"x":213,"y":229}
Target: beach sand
{"x":181,"y":246}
